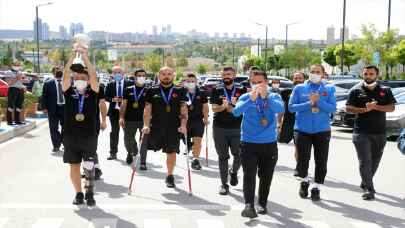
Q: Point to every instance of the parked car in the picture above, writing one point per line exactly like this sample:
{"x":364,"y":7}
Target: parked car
{"x":210,"y":83}
{"x":3,"y":88}
{"x":284,"y":82}
{"x":395,"y":120}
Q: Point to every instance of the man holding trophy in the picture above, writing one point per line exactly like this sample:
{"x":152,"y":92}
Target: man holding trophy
{"x":80,"y":118}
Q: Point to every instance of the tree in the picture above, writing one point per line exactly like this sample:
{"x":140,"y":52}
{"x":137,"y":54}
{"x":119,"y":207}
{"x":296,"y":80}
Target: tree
{"x":201,"y":69}
{"x":350,"y":57}
{"x":329,"y":57}
{"x":181,"y":61}
{"x":153,"y":63}
{"x":399,"y":53}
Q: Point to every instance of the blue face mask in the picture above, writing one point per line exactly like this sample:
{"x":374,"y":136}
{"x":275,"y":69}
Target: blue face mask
{"x":117,"y":77}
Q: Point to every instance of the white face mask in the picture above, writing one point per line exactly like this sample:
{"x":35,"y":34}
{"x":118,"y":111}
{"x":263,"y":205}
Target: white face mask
{"x":80,"y":85}
{"x":372,"y":85}
{"x":275,"y":86}
{"x":190,"y":85}
{"x":141,"y":80}
{"x":315,"y":78}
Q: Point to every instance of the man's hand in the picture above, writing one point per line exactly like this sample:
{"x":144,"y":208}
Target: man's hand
{"x":117,"y":99}
{"x":263,"y":90}
{"x":206,"y":121}
{"x":314,"y":98}
{"x":234,"y":100}
{"x":183,"y":130}
{"x":145,"y":130}
{"x":122,"y":122}
{"x":45,"y":111}
{"x":225,"y":102}
{"x":254,"y":94}
{"x":103,"y":125}
{"x":371,"y":106}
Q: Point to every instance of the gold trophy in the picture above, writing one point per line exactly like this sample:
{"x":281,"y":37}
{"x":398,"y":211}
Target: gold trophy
{"x":81,"y":41}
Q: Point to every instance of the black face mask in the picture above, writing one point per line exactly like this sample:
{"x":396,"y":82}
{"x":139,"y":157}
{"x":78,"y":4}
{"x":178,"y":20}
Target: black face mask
{"x":132,"y":78}
{"x":58,"y":74}
{"x":227,"y":81}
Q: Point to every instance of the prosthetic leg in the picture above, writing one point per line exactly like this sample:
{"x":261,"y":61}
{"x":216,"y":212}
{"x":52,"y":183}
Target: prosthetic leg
{"x":89,"y":175}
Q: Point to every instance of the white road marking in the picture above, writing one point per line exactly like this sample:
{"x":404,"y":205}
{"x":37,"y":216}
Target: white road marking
{"x":103,"y":223}
{"x":316,"y":224}
{"x":365,"y":225}
{"x":157,"y":223}
{"x":210,"y":223}
{"x":48,"y":223}
{"x":3,"y":221}
{"x":125,"y":206}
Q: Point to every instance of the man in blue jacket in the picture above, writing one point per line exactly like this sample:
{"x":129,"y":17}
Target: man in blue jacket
{"x":259,"y":151}
{"x":401,"y":142}
{"x":313,"y":102}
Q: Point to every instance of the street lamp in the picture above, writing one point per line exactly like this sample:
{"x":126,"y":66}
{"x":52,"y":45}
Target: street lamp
{"x":389,"y":15}
{"x":286,"y":33}
{"x":342,"y":55}
{"x":37,"y":32}
{"x":265,"y":45}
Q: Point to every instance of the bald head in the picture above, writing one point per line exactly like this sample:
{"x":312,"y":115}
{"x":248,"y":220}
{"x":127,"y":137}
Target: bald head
{"x":117,"y":69}
{"x":166,"y":76}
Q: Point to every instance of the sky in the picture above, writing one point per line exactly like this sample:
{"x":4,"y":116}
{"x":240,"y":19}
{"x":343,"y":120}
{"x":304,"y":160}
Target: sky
{"x":313,"y":16}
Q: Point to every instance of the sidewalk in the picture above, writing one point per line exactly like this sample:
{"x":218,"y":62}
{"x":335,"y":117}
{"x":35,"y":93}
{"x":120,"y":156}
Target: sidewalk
{"x":9,"y":132}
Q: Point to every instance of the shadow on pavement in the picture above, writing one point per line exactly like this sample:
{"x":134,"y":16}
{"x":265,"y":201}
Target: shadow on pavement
{"x":181,"y":198}
{"x":98,"y":213}
{"x":113,"y":191}
{"x":363,"y":214}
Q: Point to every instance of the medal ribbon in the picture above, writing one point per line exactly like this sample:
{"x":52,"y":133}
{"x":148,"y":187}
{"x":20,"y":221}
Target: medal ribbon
{"x":80,"y":102}
{"x":166,"y":99}
{"x":229,"y":98}
{"x":260,"y":105}
{"x":192,"y":97}
{"x":137,"y":97}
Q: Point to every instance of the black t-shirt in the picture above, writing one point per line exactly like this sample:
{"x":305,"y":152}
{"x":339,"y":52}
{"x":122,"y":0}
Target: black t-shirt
{"x":372,"y":122}
{"x":160,"y":117}
{"x":87,"y":127}
{"x":195,"y":109}
{"x":289,"y":117}
{"x":135,"y":113}
{"x":226,"y":119}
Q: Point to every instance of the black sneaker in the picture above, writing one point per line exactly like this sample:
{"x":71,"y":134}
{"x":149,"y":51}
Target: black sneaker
{"x":249,"y":212}
{"x":234,"y":178}
{"x":224,"y":190}
{"x":55,"y":150}
{"x":112,"y":157}
{"x":19,"y":123}
{"x":296,"y":173}
{"x":369,"y":195}
{"x":196,"y":165}
{"x":98,"y":173}
{"x":170,"y":181}
{"x":315,"y":194}
{"x":130,"y":159}
{"x":90,"y":201}
{"x":143,"y":167}
{"x":79,"y":199}
{"x":304,"y":189}
{"x":262,"y":210}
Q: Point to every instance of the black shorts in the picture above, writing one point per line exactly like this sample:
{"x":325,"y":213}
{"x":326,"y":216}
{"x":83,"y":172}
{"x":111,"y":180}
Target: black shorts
{"x":195,"y":128}
{"x":78,"y":149}
{"x":167,"y":140}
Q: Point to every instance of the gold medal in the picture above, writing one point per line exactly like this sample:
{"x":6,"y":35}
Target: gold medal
{"x":79,"y":117}
{"x":191,"y":107}
{"x":264,"y":121}
{"x":135,"y":105}
{"x":168,"y":109}
{"x":315,"y":109}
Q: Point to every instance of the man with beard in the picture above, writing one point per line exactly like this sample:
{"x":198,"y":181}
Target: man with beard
{"x":286,"y":120}
{"x":80,"y":126}
{"x":197,"y":117}
{"x":131,"y":117}
{"x":226,"y":127}
{"x":165,"y":117}
{"x":370,"y":101}
{"x":53,"y":103}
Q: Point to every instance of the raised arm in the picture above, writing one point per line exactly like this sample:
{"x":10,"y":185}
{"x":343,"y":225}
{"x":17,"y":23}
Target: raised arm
{"x":66,"y":82}
{"x":91,"y":70}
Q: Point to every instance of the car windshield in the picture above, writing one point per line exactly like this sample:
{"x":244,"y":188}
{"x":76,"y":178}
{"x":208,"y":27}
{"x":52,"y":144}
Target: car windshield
{"x":400,"y":98}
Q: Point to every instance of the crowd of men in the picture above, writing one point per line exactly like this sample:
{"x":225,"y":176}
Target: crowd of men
{"x":248,"y":123}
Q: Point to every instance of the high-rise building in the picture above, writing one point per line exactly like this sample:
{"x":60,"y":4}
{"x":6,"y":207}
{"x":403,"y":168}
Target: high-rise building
{"x":346,"y":33}
{"x":226,"y":35}
{"x":330,"y":35}
{"x":39,"y":29}
{"x":75,"y":29}
{"x":155,"y":30}
{"x":169,"y":29}
{"x":79,"y":28}
{"x":45,"y":31}
{"x":164,"y":31}
{"x":63,"y":33}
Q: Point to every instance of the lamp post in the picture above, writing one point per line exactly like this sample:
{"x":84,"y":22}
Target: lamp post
{"x":286,"y":33}
{"x":342,"y":55}
{"x":265,"y":45}
{"x":37,"y":32}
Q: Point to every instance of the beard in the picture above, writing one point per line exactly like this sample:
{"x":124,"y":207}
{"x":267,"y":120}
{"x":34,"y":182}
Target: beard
{"x":166,"y":82}
{"x":369,"y":81}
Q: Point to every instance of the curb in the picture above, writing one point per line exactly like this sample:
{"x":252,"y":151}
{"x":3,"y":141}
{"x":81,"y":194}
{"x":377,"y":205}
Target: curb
{"x":9,"y":132}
